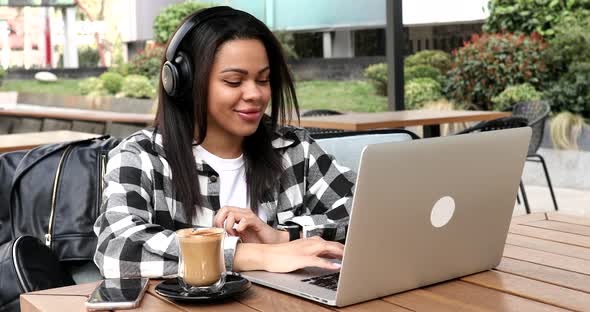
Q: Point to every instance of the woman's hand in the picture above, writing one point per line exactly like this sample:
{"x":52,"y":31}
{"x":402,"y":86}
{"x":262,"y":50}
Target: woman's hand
{"x":287,"y":257}
{"x":250,"y":228}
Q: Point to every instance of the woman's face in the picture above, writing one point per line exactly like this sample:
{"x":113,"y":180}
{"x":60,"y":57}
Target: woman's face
{"x":239,"y":88}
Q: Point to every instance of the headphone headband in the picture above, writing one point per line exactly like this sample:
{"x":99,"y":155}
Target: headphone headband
{"x":177,"y":71}
{"x":191,"y":23}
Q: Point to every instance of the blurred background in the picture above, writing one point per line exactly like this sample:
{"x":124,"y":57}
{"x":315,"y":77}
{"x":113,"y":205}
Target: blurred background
{"x":457,"y":55}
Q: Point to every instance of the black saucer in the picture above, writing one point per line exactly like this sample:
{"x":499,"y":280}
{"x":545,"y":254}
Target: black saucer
{"x":234,"y":284}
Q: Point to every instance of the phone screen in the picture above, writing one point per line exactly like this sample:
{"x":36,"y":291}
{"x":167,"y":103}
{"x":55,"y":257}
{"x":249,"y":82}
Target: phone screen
{"x":118,"y":290}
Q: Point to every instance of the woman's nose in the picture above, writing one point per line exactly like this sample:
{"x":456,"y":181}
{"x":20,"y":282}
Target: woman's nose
{"x":252,"y":91}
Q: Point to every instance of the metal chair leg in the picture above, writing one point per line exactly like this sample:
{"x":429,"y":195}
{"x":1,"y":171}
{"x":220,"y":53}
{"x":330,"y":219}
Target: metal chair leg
{"x":548,"y":180}
{"x":524,"y":198}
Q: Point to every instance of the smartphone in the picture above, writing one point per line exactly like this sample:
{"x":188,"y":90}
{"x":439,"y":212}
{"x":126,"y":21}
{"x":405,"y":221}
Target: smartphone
{"x":115,"y":293}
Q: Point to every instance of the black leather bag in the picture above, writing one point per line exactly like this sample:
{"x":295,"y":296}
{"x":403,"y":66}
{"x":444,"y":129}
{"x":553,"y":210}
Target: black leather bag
{"x":28,"y":265}
{"x":54,"y":194}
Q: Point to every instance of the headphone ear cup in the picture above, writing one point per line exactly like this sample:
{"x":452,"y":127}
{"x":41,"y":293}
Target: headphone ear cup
{"x":185,"y":75}
{"x":170,"y":78}
{"x":177,"y":76}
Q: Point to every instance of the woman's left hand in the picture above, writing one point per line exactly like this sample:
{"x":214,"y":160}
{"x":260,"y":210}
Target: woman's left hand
{"x":250,"y":228}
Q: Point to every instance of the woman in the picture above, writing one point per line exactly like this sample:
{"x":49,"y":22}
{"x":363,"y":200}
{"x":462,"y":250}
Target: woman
{"x":216,"y":151}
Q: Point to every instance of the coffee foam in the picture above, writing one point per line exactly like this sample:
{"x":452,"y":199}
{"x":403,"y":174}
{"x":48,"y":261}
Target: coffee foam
{"x":198,"y":232}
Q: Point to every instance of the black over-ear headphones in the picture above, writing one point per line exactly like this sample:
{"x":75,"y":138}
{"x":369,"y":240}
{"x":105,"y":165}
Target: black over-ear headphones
{"x":177,"y":71}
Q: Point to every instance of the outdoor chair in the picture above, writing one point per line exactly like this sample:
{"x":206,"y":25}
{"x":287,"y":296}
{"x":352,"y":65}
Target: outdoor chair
{"x":537,"y":113}
{"x":347,"y":146}
{"x":321,"y":112}
{"x":499,"y":124}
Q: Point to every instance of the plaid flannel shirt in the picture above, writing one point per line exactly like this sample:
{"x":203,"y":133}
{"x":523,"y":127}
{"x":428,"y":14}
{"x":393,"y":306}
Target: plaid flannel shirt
{"x":140,"y":212}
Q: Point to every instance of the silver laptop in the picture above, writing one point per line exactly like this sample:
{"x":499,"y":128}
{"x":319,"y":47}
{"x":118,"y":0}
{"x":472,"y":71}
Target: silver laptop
{"x":423,"y":212}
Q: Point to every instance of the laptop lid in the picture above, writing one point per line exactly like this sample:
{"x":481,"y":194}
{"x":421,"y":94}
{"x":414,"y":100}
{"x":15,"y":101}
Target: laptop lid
{"x":430,"y":210}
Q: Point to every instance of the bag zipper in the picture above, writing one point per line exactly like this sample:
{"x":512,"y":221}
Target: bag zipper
{"x":102,"y":164}
{"x":103,"y":171}
{"x":19,"y":276}
{"x":54,"y":195}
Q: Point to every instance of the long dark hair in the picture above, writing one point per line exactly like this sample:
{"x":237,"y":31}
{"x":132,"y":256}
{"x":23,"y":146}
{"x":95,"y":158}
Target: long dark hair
{"x":177,"y":119}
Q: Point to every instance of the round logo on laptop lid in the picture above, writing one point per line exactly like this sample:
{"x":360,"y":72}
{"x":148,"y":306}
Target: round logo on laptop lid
{"x":442,"y":211}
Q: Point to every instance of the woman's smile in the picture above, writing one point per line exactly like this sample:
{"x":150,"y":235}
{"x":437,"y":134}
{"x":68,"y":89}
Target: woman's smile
{"x":249,"y":114}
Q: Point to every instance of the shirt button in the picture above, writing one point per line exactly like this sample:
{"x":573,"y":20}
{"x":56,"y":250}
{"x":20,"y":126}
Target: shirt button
{"x":213,"y":179}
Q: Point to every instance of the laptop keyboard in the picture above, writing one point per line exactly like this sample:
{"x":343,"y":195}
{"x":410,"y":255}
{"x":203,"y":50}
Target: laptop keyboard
{"x":329,"y":281}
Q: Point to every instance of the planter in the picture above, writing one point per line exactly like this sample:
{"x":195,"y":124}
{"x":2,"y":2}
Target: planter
{"x":105,"y":103}
{"x":567,"y":132}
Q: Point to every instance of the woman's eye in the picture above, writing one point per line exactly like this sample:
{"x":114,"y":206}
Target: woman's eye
{"x":232,"y":83}
{"x":263,"y":81}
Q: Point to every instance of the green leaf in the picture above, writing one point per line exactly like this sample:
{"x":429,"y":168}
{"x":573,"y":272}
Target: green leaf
{"x":525,"y":13}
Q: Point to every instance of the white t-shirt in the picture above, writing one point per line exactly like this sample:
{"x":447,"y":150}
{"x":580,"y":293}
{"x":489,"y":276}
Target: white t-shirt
{"x":233,"y":189}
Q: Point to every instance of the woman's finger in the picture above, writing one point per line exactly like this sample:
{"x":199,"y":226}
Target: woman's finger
{"x":223,"y":212}
{"x":241,"y":211}
{"x":220,"y":217}
{"x":243,"y":224}
{"x":229,"y":224}
{"x":322,"y":263}
{"x":328,"y":249}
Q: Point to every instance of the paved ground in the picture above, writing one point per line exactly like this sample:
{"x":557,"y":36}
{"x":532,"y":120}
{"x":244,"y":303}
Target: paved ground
{"x":571,"y":201}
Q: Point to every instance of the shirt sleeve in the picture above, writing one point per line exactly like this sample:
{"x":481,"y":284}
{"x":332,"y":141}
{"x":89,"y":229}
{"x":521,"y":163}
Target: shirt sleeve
{"x":129,"y":243}
{"x":328,"y":194}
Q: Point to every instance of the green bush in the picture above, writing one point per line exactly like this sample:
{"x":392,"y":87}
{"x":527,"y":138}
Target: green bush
{"x":489,"y":63}
{"x":570,"y":43}
{"x":147,"y":63}
{"x":422,"y":71}
{"x":122,"y":69}
{"x":438,"y":59}
{"x":528,"y":16}
{"x":2,"y":72}
{"x":137,"y":86}
{"x":88,"y":57}
{"x":572,"y":92}
{"x":287,"y":41}
{"x":420,"y":91}
{"x":111,"y":82}
{"x":515,"y":94}
{"x":170,"y":18}
{"x":377,"y":75}
{"x":91,"y":86}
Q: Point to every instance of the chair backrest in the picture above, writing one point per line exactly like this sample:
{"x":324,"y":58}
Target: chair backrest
{"x":537,"y":113}
{"x":497,"y":124}
{"x":347,"y":147}
{"x":321,"y":112}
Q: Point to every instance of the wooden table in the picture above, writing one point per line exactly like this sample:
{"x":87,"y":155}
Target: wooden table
{"x":546,"y":267}
{"x":76,"y":114}
{"x":21,"y":141}
{"x":429,"y":119}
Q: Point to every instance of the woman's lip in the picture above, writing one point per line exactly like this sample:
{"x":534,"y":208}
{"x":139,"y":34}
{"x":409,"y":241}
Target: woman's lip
{"x":249,"y":115}
{"x":248,"y":111}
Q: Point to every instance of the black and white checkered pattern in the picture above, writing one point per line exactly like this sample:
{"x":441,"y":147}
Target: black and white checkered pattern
{"x":136,"y":230}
